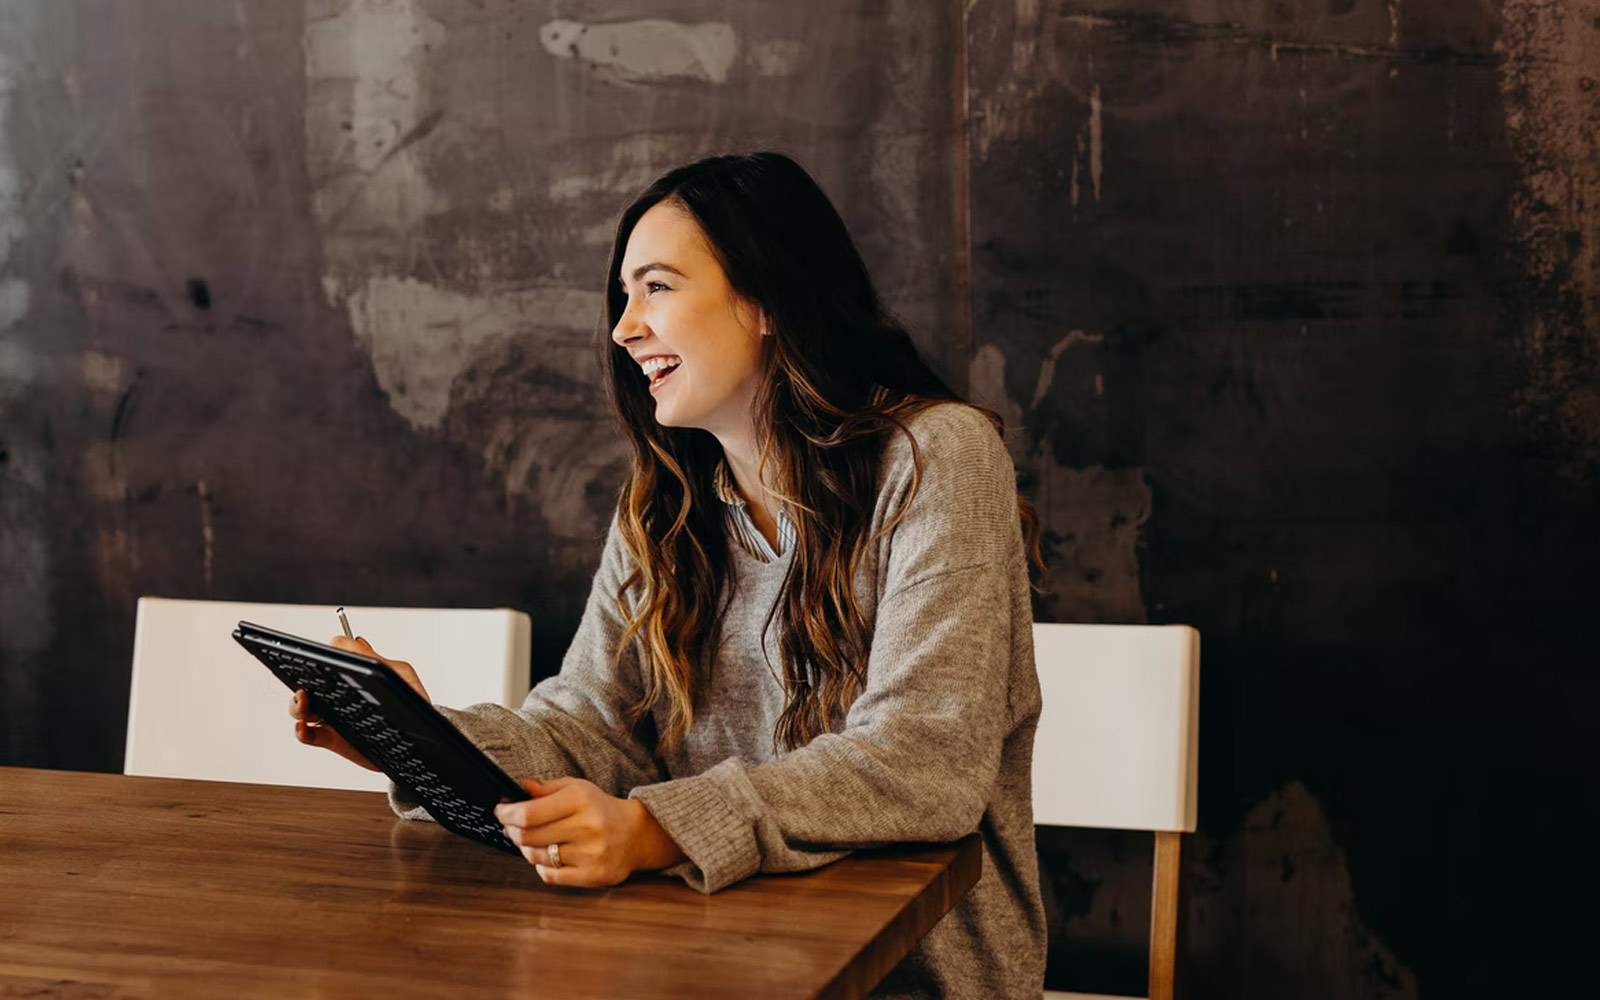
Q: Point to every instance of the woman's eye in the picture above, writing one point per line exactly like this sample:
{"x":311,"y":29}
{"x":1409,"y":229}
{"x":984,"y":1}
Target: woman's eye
{"x":652,"y":286}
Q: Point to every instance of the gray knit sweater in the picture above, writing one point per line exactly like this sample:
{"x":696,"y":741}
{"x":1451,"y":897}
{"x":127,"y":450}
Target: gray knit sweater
{"x":939,"y":743}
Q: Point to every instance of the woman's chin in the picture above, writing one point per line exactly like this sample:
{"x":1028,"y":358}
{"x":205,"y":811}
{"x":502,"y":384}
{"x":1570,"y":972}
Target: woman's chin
{"x":666,"y":417}
{"x":669,"y":417}
{"x":670,"y":412}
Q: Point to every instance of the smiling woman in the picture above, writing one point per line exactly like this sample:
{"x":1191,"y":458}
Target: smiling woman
{"x":811,"y":628}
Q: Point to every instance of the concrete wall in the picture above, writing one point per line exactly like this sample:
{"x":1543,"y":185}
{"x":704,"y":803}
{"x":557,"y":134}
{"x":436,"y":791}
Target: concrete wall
{"x":1295,"y":305}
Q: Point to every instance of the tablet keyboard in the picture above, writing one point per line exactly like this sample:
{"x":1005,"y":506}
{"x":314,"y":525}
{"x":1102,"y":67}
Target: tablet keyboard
{"x":353,"y":709}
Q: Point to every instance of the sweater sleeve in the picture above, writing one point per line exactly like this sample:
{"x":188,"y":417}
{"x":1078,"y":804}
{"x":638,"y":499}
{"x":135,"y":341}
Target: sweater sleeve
{"x":574,"y":723}
{"x":919,"y":753}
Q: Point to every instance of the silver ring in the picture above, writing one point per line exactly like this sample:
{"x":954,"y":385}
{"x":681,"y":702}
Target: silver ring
{"x":553,"y":852}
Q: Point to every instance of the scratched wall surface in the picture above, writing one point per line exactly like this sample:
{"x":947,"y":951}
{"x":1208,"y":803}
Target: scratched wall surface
{"x":1296,"y":301}
{"x":300,"y":301}
{"x":1294,"y":306}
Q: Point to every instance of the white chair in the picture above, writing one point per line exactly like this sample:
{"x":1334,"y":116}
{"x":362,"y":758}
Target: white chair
{"x":202,"y":707}
{"x":1117,"y":748}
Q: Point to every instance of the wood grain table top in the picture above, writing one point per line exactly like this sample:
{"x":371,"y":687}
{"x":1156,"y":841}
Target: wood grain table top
{"x":116,"y":887}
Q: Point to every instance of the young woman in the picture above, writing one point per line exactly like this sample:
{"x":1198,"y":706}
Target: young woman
{"x":811,"y":629}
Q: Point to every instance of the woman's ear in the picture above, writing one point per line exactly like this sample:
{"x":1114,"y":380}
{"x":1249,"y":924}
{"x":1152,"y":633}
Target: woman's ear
{"x":751,"y":316}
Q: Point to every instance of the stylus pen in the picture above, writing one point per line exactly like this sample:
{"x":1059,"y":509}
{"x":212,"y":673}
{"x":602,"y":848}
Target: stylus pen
{"x":346,"y":623}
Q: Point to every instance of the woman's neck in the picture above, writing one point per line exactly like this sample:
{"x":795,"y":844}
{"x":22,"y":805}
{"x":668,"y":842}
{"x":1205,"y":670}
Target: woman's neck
{"x":744,"y":461}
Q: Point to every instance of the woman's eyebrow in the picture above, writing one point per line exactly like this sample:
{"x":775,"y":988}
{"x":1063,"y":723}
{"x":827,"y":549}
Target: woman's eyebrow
{"x":656,"y":265}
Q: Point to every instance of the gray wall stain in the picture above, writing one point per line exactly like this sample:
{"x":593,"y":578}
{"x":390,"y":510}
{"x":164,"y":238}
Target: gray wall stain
{"x":367,"y":105}
{"x":637,"y":51}
{"x":421,"y":337}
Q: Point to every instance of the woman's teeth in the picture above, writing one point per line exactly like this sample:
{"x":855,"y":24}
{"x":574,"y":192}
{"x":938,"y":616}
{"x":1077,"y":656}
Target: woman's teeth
{"x":655,"y":368}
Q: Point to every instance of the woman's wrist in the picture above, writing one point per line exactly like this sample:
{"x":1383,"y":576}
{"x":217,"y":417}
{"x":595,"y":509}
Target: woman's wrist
{"x":653,"y":848}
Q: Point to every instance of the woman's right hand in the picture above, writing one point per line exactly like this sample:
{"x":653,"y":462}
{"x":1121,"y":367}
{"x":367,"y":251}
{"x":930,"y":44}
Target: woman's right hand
{"x":312,"y":731}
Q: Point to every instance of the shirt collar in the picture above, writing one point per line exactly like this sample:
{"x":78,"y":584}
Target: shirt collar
{"x":722,"y":483}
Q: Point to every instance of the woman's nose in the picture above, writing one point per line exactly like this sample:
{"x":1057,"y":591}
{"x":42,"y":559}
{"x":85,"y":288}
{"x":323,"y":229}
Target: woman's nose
{"x":628,"y":329}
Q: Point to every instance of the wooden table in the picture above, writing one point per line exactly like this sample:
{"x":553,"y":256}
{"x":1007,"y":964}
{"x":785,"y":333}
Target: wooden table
{"x":117,"y":887}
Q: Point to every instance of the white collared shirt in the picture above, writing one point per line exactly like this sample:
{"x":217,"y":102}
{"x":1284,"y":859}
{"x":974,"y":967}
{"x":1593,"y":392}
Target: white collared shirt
{"x":742,"y":526}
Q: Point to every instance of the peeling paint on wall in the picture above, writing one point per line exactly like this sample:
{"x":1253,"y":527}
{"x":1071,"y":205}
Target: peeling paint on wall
{"x":1551,"y":83}
{"x":1090,"y":149}
{"x":988,"y":380}
{"x":534,"y":416}
{"x":102,"y":372}
{"x":13,"y":290}
{"x":626,"y":166}
{"x":421,"y":337}
{"x":1297,"y":932}
{"x":1093,"y":515}
{"x":1095,"y":518}
{"x":651,"y":50}
{"x":1047,"y":370}
{"x":776,"y":57}
{"x":475,"y":356}
{"x":367,"y":106}
{"x":1306,"y":935}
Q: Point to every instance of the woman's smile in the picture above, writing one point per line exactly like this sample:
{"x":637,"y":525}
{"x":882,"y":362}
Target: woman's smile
{"x":658,"y":367}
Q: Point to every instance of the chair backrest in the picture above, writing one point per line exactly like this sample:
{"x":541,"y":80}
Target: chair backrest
{"x":202,"y":707}
{"x":1117,"y":745}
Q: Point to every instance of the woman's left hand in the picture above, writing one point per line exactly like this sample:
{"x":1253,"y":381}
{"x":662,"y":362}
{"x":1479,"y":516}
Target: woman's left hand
{"x":600,"y":839}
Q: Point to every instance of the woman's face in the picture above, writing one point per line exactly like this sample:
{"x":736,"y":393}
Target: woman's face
{"x":697,"y":340}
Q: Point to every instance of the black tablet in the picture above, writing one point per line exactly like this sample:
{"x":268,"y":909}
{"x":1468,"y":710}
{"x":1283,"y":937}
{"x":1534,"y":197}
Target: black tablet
{"x":394,"y":727}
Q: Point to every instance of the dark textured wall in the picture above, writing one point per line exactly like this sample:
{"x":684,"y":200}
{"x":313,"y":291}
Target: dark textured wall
{"x":1295,"y":306}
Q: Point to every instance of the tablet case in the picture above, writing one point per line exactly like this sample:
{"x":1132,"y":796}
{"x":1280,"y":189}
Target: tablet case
{"x":392,"y":726}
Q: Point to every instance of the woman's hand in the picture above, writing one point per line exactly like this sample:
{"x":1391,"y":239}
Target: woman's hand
{"x":309,"y":727}
{"x":601,"y":839}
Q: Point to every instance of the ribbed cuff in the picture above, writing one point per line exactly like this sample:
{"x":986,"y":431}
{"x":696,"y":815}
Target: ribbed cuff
{"x":701,"y":818}
{"x":404,"y":806}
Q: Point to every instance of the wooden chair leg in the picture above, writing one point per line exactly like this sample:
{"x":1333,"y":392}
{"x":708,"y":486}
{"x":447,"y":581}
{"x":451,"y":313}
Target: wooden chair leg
{"x":1165,"y":915}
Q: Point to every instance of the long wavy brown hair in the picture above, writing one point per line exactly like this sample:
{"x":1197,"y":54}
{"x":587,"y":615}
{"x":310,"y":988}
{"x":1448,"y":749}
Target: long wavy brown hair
{"x":840,"y":375}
